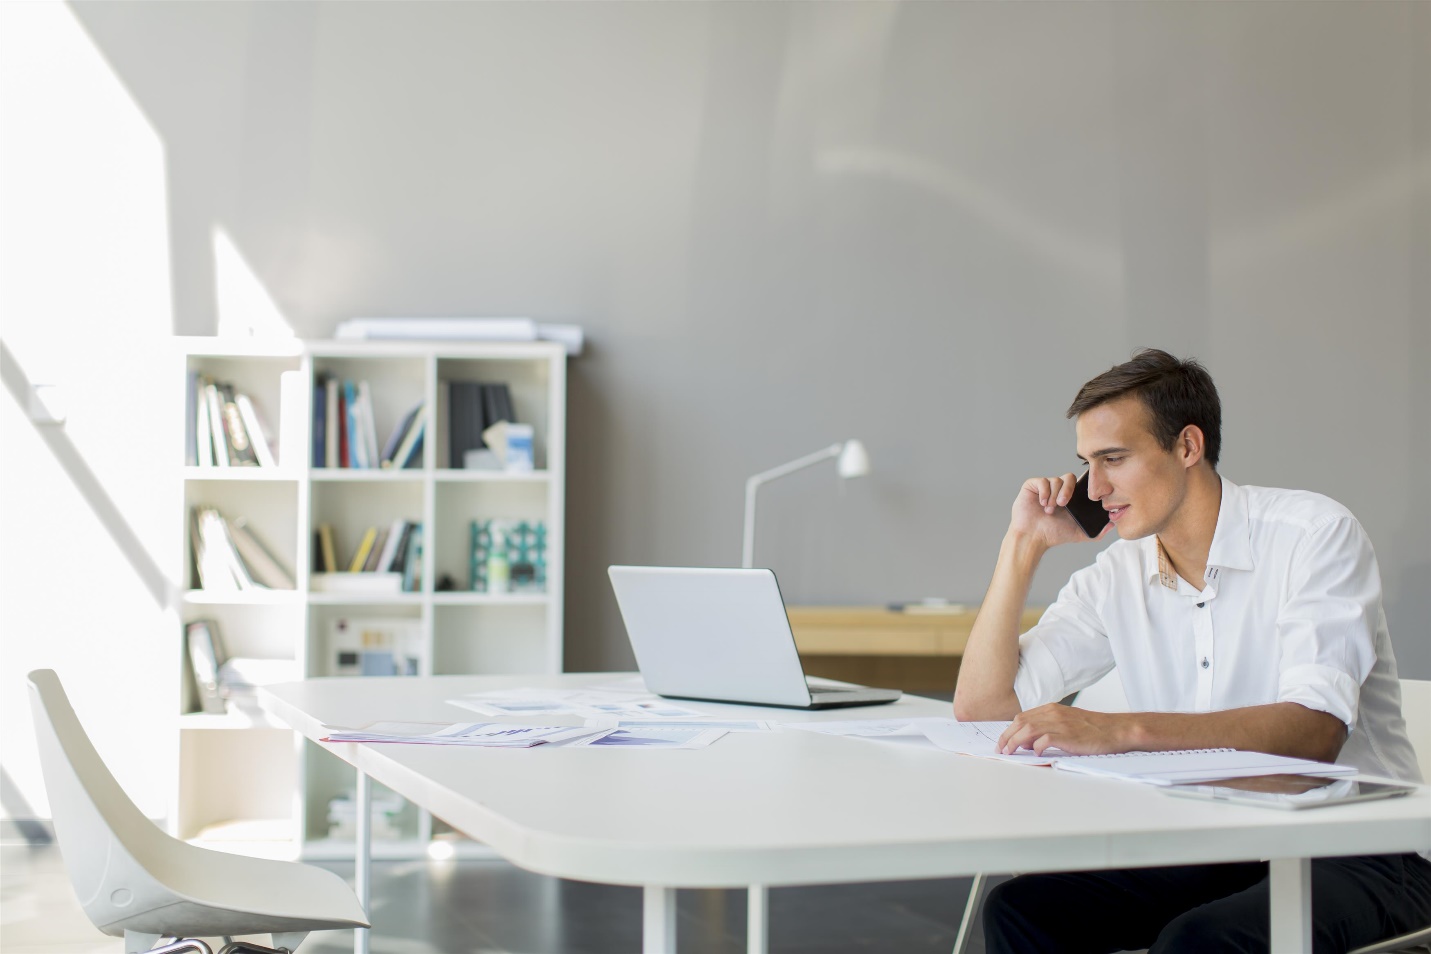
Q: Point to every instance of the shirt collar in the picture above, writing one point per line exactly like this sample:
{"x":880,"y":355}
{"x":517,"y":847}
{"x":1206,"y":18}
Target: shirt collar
{"x":1231,"y":547}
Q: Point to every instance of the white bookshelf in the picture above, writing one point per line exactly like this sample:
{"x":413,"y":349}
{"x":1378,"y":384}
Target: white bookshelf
{"x":247,"y":785}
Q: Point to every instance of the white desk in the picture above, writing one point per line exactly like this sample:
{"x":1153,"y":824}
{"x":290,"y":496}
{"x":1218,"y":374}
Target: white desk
{"x":786,"y":808}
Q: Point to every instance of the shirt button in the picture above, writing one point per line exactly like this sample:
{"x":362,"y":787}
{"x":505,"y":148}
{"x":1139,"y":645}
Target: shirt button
{"x":1201,"y":605}
{"x":1205,"y":662}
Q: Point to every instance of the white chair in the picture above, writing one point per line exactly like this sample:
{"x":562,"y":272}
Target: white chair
{"x":1105,"y":695}
{"x":134,"y":880}
{"x":1416,"y":710}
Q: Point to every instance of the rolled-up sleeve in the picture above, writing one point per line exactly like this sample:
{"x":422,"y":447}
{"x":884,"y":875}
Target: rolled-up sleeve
{"x":1068,"y":649}
{"x":1326,"y":629}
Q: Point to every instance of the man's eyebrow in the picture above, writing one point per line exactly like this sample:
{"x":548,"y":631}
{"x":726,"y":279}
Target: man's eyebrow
{"x":1105,"y":452}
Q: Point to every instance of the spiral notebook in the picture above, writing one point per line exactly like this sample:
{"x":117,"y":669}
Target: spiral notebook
{"x":1194,"y":765}
{"x":1157,"y":768}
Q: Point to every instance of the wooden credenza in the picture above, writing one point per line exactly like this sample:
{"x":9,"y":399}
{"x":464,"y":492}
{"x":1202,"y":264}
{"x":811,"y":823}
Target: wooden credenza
{"x":918,"y":652}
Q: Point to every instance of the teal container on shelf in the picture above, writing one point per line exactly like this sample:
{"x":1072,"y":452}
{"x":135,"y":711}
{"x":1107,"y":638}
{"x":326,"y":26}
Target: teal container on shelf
{"x":524,"y":543}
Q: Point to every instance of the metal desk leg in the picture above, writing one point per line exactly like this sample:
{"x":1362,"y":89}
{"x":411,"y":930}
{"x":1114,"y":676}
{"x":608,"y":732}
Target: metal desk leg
{"x":658,"y":920}
{"x":1290,"y":892}
{"x":757,"y":920}
{"x":363,"y":857}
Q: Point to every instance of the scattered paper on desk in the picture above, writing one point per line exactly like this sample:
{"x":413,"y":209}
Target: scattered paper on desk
{"x":492,"y":734}
{"x":859,"y":728}
{"x":725,"y":725}
{"x":620,"y":704}
{"x":661,"y":736}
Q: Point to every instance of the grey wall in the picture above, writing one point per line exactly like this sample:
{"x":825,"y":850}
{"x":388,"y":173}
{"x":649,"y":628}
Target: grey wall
{"x":923,"y":225}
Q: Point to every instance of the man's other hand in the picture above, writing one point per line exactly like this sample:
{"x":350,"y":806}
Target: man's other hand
{"x":1040,"y":512}
{"x":1072,"y":730}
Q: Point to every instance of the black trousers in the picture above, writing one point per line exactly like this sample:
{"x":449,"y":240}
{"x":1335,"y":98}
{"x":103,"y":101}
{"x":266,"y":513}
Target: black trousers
{"x":1204,"y":908}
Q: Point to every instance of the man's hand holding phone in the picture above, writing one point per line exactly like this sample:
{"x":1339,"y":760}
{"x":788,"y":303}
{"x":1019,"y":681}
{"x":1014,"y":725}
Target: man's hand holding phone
{"x":1055,"y":510}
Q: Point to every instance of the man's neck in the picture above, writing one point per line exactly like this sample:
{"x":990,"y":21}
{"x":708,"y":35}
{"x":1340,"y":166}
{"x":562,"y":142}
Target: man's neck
{"x":1187,"y":538}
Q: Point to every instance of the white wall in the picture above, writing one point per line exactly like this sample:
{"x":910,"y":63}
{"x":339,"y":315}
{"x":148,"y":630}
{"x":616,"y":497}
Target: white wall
{"x":920,"y":224}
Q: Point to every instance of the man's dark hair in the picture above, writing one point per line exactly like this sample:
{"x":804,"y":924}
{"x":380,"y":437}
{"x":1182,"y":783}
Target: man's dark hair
{"x":1176,"y":394}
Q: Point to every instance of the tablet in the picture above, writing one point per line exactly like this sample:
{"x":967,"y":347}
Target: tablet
{"x":1290,"y":791}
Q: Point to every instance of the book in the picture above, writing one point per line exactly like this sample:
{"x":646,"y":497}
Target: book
{"x":253,"y":427}
{"x":344,"y":424}
{"x":465,"y":422}
{"x":395,"y":439}
{"x":412,"y":561}
{"x":1194,"y":765}
{"x":497,"y":404}
{"x":205,"y":651}
{"x":330,"y":426}
{"x":204,"y":431}
{"x":263,"y":564}
{"x":325,"y":544}
{"x":320,"y":424}
{"x":375,"y":552}
{"x":400,"y":551}
{"x":360,"y":556}
{"x":216,"y":424}
{"x":241,"y":451}
{"x":411,"y":447}
{"x":191,"y":419}
{"x":368,"y":426}
{"x":389,"y":550}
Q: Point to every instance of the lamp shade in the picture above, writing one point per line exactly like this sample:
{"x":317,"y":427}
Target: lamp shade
{"x":854,"y":460}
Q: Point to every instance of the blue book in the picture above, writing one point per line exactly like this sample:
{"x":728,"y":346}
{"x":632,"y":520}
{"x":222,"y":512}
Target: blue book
{"x":356,"y":457}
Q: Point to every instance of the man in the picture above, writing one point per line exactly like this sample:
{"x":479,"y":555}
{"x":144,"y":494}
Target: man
{"x":1236,"y":616}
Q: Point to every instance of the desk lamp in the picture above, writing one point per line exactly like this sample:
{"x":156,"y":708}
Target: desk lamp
{"x":854,"y":461}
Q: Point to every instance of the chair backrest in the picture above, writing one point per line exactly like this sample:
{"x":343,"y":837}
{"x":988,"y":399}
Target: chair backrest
{"x":103,"y":836}
{"x":1416,"y":710}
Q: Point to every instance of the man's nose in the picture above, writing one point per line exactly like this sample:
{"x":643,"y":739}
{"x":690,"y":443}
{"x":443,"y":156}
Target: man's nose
{"x":1098,"y":487}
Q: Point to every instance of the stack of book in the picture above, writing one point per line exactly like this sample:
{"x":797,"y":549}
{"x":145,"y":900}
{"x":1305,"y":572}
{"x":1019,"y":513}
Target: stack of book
{"x":223,"y":428}
{"x":472,"y":407}
{"x":386,"y":560}
{"x":229,"y":555}
{"x":345,"y":432}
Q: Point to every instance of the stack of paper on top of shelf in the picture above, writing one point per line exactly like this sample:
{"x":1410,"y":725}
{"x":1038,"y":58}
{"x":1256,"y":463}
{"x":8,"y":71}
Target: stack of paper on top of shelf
{"x":492,"y":734}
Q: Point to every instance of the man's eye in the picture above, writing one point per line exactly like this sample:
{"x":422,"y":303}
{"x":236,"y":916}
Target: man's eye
{"x":1112,"y":460}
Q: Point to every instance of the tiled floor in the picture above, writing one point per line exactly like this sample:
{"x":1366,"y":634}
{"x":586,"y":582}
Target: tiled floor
{"x":490,"y":907}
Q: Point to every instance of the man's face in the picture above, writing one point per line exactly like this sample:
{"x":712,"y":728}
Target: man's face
{"x":1139,"y":484}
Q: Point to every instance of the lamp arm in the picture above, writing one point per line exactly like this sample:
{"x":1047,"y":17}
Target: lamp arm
{"x":753,"y":484}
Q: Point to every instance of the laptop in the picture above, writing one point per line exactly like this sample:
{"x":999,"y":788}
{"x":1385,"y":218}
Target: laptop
{"x":721,"y":635}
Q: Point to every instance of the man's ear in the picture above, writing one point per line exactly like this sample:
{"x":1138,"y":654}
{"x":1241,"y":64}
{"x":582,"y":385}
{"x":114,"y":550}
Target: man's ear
{"x":1190,"y":445}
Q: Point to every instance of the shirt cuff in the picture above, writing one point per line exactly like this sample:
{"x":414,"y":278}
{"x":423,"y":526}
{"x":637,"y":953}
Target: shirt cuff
{"x":1039,"y":679}
{"x":1321,"y":688}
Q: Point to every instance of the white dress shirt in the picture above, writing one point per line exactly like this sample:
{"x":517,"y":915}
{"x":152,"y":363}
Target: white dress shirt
{"x":1290,"y":611}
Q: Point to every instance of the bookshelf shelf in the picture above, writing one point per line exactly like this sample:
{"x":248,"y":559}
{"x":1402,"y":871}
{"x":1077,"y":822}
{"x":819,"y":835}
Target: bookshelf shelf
{"x":283,"y":506}
{"x":490,"y":599}
{"x":490,"y":476}
{"x":243,"y":597}
{"x":330,"y":475}
{"x":365,"y":599}
{"x":241,"y":473}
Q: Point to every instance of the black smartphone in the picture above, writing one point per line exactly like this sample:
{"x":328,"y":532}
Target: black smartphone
{"x":1088,"y":512}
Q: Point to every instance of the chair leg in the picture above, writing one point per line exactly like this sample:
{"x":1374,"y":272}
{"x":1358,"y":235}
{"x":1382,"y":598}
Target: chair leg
{"x":971,"y":910}
{"x":183,"y":945}
{"x":248,"y":947}
{"x":289,"y":941}
{"x":136,"y":942}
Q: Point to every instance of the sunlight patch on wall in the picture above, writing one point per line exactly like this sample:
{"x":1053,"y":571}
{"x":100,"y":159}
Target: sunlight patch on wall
{"x":246,"y":309}
{"x":86,"y":303}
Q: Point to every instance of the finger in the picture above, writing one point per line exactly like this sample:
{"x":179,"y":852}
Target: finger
{"x":1040,"y":487}
{"x":1042,"y":742}
{"x":1055,"y":490}
{"x":1065,"y":493}
{"x":1004,"y":736}
{"x":1019,"y":739}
